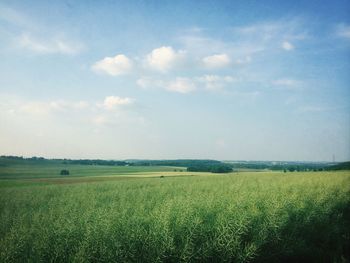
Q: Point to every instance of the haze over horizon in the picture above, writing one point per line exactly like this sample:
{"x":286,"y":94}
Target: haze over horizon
{"x":224,"y":80}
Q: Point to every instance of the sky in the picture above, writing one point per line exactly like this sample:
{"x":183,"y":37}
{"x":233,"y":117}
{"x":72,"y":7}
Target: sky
{"x":226,"y":80}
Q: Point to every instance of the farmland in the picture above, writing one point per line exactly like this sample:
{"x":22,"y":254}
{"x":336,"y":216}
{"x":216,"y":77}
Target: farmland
{"x":157,"y":214}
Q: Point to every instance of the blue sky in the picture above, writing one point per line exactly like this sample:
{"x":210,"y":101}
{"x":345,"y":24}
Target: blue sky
{"x":233,"y":80}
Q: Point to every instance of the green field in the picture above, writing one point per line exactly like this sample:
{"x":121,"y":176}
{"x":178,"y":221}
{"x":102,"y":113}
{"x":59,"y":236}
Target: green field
{"x":132,"y":214}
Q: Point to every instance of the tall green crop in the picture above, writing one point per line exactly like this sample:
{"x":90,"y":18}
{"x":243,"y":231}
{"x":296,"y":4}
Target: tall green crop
{"x":245,"y":217}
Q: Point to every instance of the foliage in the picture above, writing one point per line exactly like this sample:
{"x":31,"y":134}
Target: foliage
{"x":213,"y":168}
{"x":339,"y":166}
{"x":64,"y":172}
{"x":95,"y":162}
{"x":180,"y":162}
{"x":289,"y":166}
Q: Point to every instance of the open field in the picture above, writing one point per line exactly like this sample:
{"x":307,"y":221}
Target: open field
{"x":119,"y":214}
{"x":31,"y":171}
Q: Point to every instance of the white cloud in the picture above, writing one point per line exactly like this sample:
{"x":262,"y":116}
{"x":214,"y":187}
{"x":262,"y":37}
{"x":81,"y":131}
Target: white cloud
{"x":187,"y":85}
{"x":81,"y":105}
{"x":287,"y":46}
{"x":11,"y":16}
{"x":100,"y":120}
{"x":35,"y":108}
{"x":144,"y":82}
{"x":288,"y":29}
{"x":47,"y":107}
{"x":111,"y":102}
{"x":287,"y":83}
{"x":215,"y":82}
{"x":164,"y":58}
{"x":343,"y":30}
{"x":181,"y":85}
{"x":49,"y":46}
{"x":216,"y":61}
{"x":118,"y":65}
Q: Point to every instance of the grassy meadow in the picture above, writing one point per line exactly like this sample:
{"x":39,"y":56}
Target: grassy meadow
{"x":154,"y":214}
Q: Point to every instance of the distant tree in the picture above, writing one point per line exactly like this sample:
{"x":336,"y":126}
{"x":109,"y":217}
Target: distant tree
{"x":64,"y":172}
{"x":213,"y":168}
{"x":285,"y":170}
{"x":291,"y":169}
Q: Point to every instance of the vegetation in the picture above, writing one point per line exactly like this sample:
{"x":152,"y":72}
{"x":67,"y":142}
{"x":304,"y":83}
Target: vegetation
{"x":191,"y":165}
{"x":237,"y":217}
{"x":339,"y":166}
{"x":288,"y":166}
{"x":64,"y":172}
{"x":180,"y":162}
{"x":213,"y":168}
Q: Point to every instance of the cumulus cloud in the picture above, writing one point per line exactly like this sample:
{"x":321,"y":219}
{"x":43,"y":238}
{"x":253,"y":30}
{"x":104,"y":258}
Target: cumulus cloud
{"x":111,"y":102}
{"x":49,"y":46}
{"x":181,"y":85}
{"x":216,"y":61}
{"x":118,"y":65}
{"x":164,"y":58}
{"x":287,"y":46}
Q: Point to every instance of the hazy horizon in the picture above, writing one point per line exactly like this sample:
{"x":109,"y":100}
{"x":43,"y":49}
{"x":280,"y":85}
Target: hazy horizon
{"x":221,"y":80}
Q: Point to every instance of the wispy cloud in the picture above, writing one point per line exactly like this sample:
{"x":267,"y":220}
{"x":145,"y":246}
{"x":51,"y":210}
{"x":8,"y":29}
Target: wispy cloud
{"x":48,"y":107}
{"x":216,"y":61}
{"x":287,"y":83}
{"x":287,"y":46}
{"x":44,"y":107}
{"x":48,"y":46}
{"x":111,"y":110}
{"x":242,"y":43}
{"x":244,"y":60}
{"x":215,"y":82}
{"x":25,"y":34}
{"x":304,"y":109}
{"x":181,"y":85}
{"x":187,"y":85}
{"x":287,"y":29}
{"x":146,"y":82}
{"x":343,"y":30}
{"x":15,"y":18}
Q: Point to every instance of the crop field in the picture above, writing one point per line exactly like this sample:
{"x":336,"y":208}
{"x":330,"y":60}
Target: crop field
{"x":156,"y":214}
